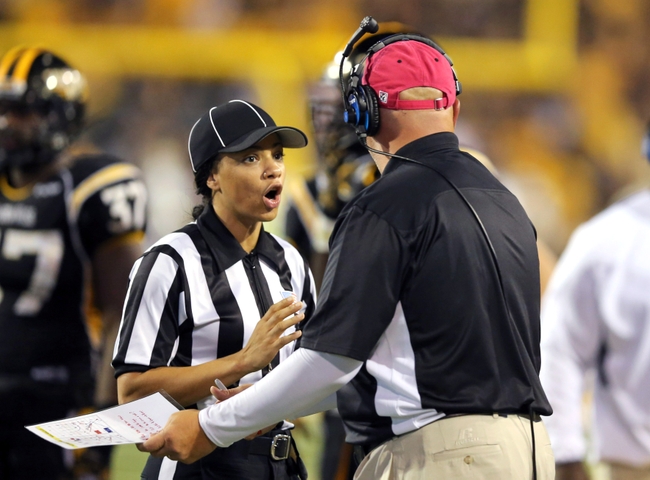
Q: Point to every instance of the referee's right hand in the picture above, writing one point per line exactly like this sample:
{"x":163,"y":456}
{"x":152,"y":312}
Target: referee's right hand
{"x":268,"y":337}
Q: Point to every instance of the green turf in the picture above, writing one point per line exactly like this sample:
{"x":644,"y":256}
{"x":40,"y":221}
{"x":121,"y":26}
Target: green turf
{"x":127,"y":463}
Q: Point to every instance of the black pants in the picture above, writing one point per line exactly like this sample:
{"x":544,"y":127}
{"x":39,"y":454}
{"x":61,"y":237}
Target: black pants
{"x":232,"y":463}
{"x":23,"y":455}
{"x":337,"y":459}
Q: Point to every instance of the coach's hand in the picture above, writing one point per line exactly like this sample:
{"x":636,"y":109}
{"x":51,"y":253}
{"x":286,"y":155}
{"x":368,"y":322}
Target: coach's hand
{"x":268,"y":336}
{"x":181,"y":439}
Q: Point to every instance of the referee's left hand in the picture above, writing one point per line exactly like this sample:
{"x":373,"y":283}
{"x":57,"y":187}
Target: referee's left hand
{"x":181,"y":439}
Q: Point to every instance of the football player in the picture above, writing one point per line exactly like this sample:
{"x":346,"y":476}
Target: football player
{"x":71,"y":227}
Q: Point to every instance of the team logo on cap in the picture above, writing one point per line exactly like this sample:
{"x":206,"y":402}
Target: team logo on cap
{"x":383,"y":97}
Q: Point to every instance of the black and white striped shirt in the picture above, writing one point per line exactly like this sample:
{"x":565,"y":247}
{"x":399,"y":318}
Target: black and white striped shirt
{"x":196,"y":295}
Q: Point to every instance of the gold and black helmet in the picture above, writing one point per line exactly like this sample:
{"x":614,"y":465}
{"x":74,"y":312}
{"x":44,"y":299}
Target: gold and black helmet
{"x":34,"y":80}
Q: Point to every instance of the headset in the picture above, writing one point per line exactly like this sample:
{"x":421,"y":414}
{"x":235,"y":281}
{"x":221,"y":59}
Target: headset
{"x":360,"y":103}
{"x":361,"y":110}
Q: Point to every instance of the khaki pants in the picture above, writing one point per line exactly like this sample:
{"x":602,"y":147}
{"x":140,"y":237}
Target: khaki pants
{"x":473,"y":447}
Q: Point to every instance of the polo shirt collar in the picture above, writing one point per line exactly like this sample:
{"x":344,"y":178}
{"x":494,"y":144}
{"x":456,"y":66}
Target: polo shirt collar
{"x":224,"y":247}
{"x":423,"y":147}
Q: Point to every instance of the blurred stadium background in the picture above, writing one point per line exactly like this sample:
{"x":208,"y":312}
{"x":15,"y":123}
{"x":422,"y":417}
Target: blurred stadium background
{"x":555,"y":92}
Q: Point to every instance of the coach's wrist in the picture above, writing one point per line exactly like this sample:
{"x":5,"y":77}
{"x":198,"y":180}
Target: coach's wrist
{"x":210,"y":428}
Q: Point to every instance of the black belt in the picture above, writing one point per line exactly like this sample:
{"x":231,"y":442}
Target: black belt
{"x":278,"y":446}
{"x":536,"y":416}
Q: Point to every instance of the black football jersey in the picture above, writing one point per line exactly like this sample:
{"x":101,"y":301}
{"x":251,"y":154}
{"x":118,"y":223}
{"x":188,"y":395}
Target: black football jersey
{"x":315,"y":203}
{"x":48,"y":234}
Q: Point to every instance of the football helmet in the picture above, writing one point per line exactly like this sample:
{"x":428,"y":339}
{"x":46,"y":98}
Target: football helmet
{"x":42,"y":106}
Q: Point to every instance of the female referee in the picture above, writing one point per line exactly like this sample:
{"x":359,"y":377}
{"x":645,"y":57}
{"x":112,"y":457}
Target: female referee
{"x":208,"y":301}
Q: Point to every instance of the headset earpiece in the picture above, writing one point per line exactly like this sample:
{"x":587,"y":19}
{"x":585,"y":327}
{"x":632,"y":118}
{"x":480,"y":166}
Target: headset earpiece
{"x":371,"y":124}
{"x":361,"y":107}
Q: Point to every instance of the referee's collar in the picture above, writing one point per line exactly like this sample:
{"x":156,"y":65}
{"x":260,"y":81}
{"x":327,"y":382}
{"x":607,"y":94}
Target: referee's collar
{"x":224,"y":247}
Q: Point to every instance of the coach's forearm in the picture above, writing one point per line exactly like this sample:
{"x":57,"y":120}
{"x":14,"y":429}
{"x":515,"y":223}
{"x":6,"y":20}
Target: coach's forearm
{"x":294,"y":388}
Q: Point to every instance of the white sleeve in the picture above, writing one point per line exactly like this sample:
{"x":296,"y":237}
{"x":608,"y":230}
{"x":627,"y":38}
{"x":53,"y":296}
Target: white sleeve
{"x":572,"y":334}
{"x":307,"y":379}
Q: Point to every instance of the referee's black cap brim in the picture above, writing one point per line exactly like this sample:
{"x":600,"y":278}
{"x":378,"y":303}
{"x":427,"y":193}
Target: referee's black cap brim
{"x":289,"y":136}
{"x":233,"y":127}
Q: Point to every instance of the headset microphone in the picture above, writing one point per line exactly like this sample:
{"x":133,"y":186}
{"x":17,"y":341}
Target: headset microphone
{"x":368,"y":25}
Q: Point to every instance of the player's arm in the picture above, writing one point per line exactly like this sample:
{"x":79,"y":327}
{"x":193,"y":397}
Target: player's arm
{"x":571,"y":471}
{"x":111,"y":264}
{"x":109,"y":203}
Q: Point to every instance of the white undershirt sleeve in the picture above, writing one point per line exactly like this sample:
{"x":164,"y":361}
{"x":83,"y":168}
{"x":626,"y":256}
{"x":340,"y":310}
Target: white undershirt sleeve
{"x":303,"y":384}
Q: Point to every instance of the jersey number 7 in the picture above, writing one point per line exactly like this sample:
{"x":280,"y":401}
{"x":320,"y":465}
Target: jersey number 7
{"x":47,"y":246}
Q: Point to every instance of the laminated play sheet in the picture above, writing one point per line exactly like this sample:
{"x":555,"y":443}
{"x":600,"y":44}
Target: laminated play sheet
{"x":132,"y":422}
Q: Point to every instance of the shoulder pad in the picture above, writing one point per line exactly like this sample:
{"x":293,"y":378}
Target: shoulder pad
{"x":94,"y":173}
{"x":85,"y":166}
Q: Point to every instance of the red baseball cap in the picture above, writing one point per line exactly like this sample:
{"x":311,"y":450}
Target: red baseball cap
{"x":407,"y":64}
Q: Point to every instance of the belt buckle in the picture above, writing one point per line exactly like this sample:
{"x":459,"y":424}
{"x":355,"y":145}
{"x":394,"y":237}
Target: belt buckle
{"x":280,"y":447}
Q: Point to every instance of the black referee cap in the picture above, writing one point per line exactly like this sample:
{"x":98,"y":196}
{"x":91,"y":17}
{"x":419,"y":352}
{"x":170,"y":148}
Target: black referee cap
{"x":233,"y":127}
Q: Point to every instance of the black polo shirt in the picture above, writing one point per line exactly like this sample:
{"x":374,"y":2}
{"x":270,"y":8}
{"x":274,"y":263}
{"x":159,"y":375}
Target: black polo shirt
{"x":412,"y":289}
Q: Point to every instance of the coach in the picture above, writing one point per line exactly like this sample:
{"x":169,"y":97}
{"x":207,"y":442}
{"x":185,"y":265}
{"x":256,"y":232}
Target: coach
{"x":428,"y":322}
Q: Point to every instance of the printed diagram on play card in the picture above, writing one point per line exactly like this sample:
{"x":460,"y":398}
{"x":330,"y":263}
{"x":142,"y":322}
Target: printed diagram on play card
{"x":133,"y":422}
